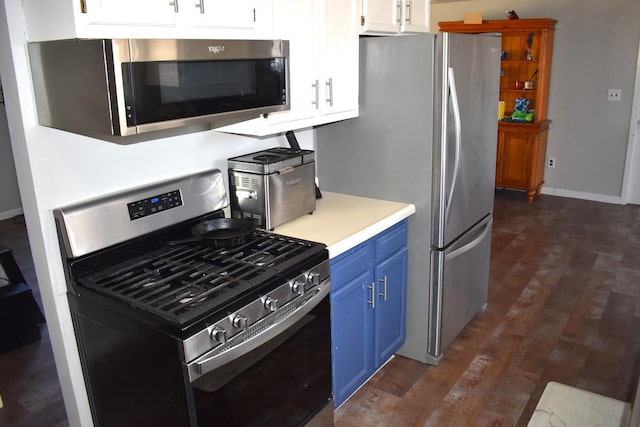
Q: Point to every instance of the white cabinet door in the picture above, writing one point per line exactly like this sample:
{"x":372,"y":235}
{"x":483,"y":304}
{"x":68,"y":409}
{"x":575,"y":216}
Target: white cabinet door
{"x":380,"y":16}
{"x":394,"y":16}
{"x":127,"y":12}
{"x":247,"y":15}
{"x":339,"y":64}
{"x":415,"y":16}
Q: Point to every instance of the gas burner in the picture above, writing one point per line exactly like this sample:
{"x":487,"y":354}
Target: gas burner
{"x":193,"y":296}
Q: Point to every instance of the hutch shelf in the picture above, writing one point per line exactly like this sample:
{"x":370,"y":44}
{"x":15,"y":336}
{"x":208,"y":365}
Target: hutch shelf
{"x":525,"y":70}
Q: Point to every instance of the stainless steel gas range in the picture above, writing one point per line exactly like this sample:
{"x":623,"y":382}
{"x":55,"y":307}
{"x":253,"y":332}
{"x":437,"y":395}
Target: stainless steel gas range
{"x":177,"y":331}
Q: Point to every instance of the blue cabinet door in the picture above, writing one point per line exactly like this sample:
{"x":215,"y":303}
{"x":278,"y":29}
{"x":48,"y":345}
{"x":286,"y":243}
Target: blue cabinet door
{"x":367,"y":324}
{"x":391,"y":279}
{"x":351,"y":321}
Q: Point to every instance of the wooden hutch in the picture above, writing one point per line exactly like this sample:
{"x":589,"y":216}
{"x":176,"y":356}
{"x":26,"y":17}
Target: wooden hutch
{"x":527,"y":46}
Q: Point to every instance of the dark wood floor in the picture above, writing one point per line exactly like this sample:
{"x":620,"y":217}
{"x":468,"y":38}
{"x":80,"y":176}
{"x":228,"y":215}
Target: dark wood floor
{"x":28,"y":379}
{"x":564,"y":305}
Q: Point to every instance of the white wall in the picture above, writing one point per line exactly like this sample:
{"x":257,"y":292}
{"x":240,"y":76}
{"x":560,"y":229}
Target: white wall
{"x":9,"y":194}
{"x":56,"y":168}
{"x":595,"y":49}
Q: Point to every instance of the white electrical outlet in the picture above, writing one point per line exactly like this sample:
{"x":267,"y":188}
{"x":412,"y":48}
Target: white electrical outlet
{"x":552,"y":162}
{"x":614,"y":95}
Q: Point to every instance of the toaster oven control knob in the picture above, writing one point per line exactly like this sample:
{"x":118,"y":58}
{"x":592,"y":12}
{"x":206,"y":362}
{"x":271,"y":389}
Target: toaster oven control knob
{"x":270,"y":304}
{"x":298,"y":287}
{"x":240,"y":321}
{"x":218,"y":334}
{"x":313,"y":278}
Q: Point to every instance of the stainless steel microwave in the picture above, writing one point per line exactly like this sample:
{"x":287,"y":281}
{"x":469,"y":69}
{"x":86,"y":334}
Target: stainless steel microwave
{"x":121,"y":87}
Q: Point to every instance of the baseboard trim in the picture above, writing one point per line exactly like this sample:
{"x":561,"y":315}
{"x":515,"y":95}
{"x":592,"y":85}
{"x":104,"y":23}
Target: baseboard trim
{"x":10,"y":214}
{"x":616,"y":200}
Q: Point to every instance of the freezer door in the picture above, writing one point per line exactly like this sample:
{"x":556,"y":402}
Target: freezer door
{"x":460,"y":282}
{"x":466,"y":137}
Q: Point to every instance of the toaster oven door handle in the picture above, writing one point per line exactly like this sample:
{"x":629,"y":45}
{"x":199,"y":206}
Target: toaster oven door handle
{"x":247,"y":194}
{"x":207,"y":363}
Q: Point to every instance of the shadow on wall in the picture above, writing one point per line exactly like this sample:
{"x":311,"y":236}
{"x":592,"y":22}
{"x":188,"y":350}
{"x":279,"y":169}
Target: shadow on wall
{"x":10,"y":204}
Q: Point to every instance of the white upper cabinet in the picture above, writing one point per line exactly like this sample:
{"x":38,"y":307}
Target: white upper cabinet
{"x":323,"y":81}
{"x":251,"y":15}
{"x":394,"y":16}
{"x":60,"y":19}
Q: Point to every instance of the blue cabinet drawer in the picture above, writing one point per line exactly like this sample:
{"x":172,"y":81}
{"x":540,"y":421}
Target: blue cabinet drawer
{"x":391,"y":241}
{"x":351,"y":264}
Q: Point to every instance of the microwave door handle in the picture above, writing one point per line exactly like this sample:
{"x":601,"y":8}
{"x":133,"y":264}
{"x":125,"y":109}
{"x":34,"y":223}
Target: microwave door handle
{"x":458,"y":141}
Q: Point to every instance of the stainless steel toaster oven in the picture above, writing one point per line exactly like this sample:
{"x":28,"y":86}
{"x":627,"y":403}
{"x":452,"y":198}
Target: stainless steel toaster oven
{"x":272,"y":186}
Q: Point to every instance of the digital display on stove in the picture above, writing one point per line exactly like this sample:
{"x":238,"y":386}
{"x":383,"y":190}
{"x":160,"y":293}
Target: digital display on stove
{"x":154,"y":205}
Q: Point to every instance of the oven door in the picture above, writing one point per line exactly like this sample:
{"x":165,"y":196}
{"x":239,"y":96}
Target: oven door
{"x":277,"y":379}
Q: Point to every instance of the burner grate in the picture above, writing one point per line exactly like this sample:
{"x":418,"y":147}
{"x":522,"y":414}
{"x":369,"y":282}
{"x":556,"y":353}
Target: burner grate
{"x":183,"y":282}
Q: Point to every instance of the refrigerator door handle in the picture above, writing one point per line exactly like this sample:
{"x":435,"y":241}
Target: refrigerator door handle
{"x":458,"y":129}
{"x":472,"y":244}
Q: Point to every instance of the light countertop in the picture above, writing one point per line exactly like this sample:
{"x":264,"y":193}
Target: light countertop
{"x":341,"y":221}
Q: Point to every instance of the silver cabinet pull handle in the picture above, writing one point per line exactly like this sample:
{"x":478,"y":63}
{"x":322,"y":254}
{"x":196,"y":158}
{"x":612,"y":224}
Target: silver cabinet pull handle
{"x":316,"y":93}
{"x":398,"y":12}
{"x":200,"y":5}
{"x":373,"y":294}
{"x":174,"y":3}
{"x":384,"y":288}
{"x":407,"y":19}
{"x":329,"y":84}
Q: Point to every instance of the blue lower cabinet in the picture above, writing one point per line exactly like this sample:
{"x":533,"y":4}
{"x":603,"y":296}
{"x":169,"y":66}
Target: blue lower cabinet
{"x":368,"y":304}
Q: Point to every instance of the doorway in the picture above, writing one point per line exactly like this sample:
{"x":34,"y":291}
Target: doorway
{"x":631,"y":180}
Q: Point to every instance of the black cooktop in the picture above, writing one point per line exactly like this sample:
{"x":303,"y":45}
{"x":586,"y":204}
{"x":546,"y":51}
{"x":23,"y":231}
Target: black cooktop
{"x":181,"y":283}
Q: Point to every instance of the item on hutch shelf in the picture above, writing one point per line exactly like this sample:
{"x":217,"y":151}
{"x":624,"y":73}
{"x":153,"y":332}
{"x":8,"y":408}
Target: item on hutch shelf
{"x":511,"y":14}
{"x":519,"y":84}
{"x":500,"y":110}
{"x":133,"y":86}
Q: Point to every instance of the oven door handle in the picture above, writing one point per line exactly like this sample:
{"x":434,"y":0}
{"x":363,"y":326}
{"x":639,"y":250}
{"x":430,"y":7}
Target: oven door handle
{"x":208,"y":363}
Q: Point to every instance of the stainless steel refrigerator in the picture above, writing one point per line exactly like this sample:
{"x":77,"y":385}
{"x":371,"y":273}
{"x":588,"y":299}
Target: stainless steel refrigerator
{"x":426,"y":134}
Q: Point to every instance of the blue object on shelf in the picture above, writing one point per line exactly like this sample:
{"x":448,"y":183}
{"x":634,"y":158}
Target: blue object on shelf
{"x":522,"y":104}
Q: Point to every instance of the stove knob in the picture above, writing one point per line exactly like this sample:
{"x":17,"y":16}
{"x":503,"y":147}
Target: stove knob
{"x":298,"y":287}
{"x":313,"y":278}
{"x":270,"y":304}
{"x":218,"y":334}
{"x":240,"y":321}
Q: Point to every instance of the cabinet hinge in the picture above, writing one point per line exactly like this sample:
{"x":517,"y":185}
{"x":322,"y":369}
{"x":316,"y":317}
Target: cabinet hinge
{"x":83,"y":6}
{"x":362,"y":20}
{"x":254,"y":14}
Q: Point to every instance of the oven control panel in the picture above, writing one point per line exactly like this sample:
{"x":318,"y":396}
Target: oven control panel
{"x":155,"y":204}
